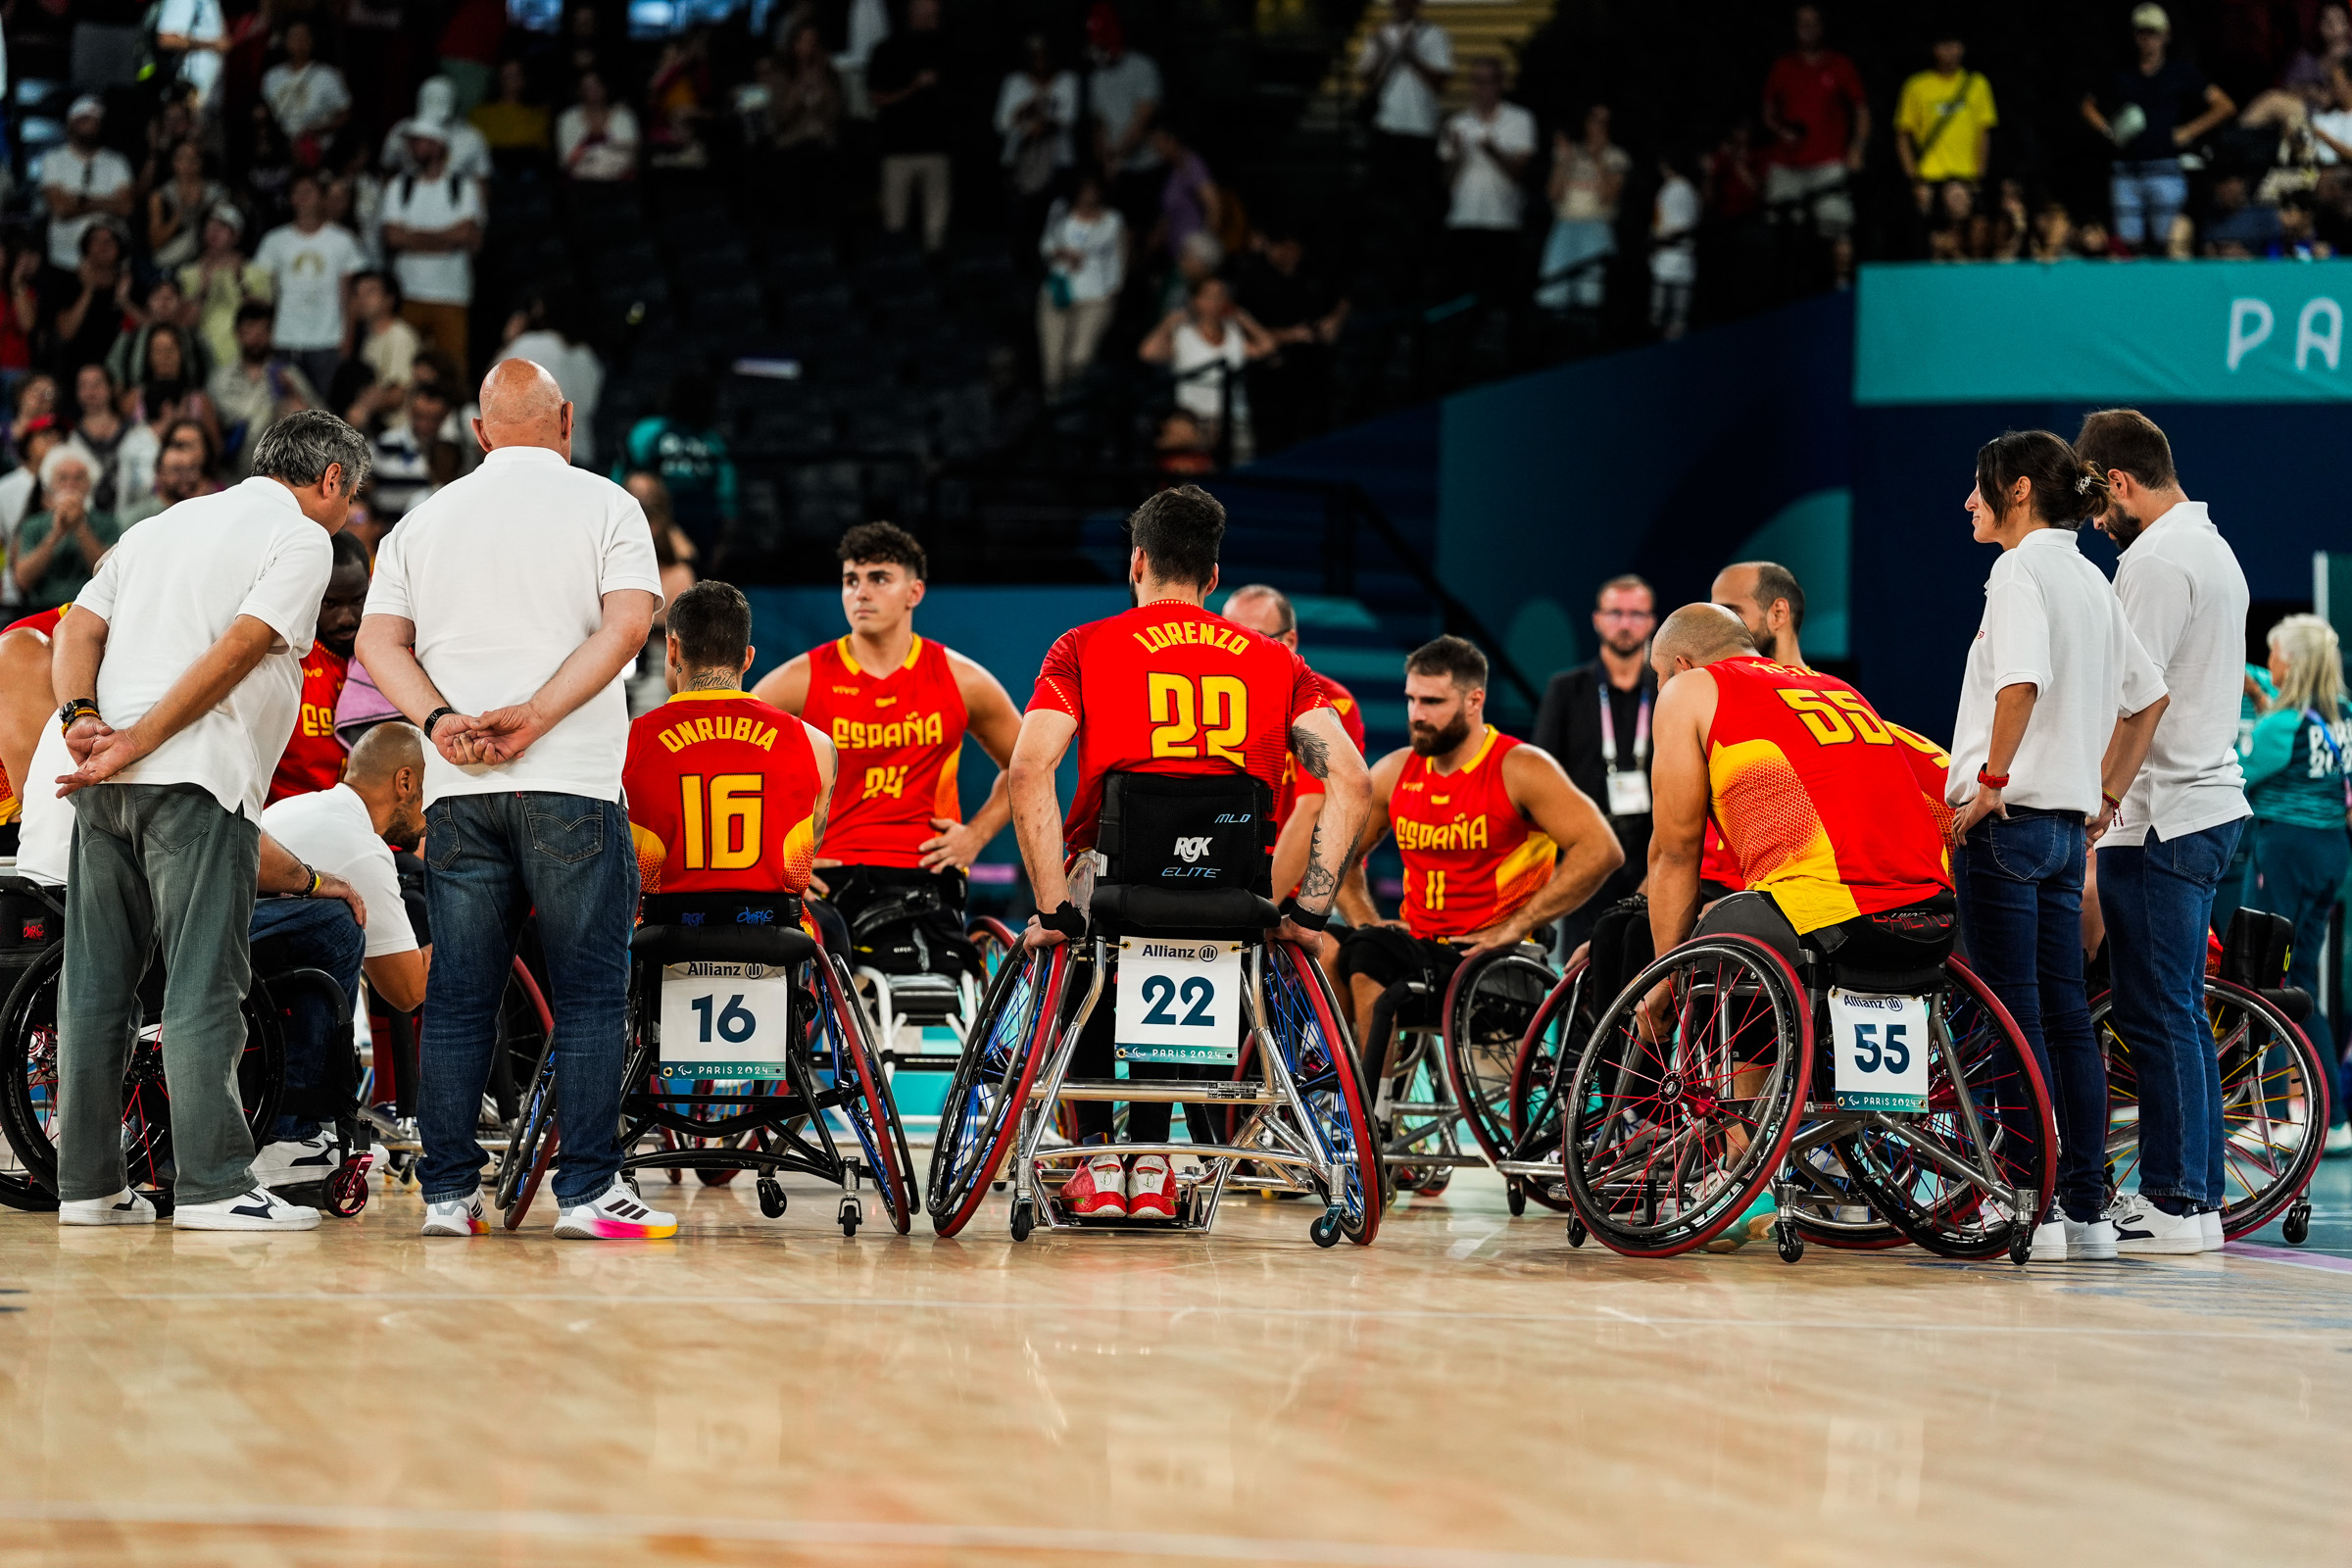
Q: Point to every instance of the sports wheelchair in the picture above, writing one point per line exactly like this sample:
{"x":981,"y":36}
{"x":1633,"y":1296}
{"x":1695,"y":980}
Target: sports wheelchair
{"x":810,"y":1094}
{"x":1299,"y":1123}
{"x":2275,"y":1088}
{"x":29,"y":1033}
{"x":1667,"y":1142}
{"x":1440,"y":1055}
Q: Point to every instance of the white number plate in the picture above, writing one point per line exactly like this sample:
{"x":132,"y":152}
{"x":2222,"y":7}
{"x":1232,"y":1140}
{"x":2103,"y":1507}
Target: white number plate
{"x":724,"y":1020}
{"x":1179,"y":1001}
{"x":1882,"y":1051}
{"x":1629,"y":793}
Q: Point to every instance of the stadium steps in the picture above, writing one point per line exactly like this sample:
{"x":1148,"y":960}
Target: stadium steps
{"x":1481,"y":29}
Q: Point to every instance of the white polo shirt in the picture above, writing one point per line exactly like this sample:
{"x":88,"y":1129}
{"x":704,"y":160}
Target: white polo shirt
{"x":2186,"y":598}
{"x":504,"y":573}
{"x":168,"y":591}
{"x":1409,"y":106}
{"x":330,"y":829}
{"x":2051,"y":621}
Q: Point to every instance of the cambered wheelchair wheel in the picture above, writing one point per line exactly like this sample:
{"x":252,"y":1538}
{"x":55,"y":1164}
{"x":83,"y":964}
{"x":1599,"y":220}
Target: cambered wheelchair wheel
{"x":1001,"y":1058}
{"x":2275,"y":1106}
{"x":865,"y":1099}
{"x":1303,"y":1018}
{"x":1547,"y":1053}
{"x":532,"y":1141}
{"x":1489,"y":1004}
{"x":995,"y":940}
{"x":28,"y":1099}
{"x":1665,"y":1143}
{"x":1949,"y":1179}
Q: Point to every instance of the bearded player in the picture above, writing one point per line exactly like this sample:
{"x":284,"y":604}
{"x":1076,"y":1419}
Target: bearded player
{"x":315,"y":758}
{"x":1168,"y":688}
{"x":897,"y":708}
{"x":1496,"y":842}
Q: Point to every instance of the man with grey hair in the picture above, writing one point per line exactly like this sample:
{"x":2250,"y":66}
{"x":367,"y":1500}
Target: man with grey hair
{"x":180,"y":672}
{"x":506,"y":609}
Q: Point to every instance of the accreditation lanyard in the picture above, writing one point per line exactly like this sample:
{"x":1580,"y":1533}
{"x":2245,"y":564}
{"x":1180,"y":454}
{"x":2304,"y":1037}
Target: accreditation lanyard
{"x":1608,"y":731}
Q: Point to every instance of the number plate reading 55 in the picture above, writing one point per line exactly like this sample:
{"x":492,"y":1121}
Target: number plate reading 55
{"x":724,"y":1020}
{"x":1882,"y":1051}
{"x":1179,"y":1001}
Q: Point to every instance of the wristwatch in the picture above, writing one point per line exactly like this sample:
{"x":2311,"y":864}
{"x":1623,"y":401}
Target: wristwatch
{"x":435,"y":717}
{"x":73,"y":710}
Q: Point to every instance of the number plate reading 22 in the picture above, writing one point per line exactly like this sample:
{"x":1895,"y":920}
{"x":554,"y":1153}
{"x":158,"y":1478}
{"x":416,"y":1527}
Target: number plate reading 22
{"x":1882,"y":1051}
{"x":1179,"y":1001}
{"x":724,"y":1020}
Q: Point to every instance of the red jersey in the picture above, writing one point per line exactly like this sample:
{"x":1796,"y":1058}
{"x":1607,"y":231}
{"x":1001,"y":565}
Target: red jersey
{"x":1470,"y":858}
{"x":899,"y":737}
{"x":313,"y":759}
{"x":1817,"y":100}
{"x":1296,"y":783}
{"x":722,"y":796}
{"x":44,"y":622}
{"x":1928,"y":765}
{"x":1170,"y":688}
{"x":1817,"y":797}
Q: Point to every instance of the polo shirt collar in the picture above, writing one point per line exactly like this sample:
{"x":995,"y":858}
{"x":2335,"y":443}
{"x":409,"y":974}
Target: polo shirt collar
{"x":2189,"y":514}
{"x":262,"y":488}
{"x":525,"y":453}
{"x":2050,"y":539}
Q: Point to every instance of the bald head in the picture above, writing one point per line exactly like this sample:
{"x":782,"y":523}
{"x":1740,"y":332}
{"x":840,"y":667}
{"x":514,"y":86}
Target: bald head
{"x":1698,"y":635}
{"x":382,"y":753}
{"x":524,"y":407}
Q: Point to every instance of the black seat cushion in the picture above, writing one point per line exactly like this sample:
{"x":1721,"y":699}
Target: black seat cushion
{"x":774,"y":946}
{"x":1187,"y":909}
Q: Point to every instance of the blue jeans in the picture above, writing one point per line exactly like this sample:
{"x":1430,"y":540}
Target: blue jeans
{"x":2299,"y":872}
{"x":2148,"y":194}
{"x":308,"y":934}
{"x":2020,"y":882}
{"x":2158,"y":901}
{"x":492,"y":861}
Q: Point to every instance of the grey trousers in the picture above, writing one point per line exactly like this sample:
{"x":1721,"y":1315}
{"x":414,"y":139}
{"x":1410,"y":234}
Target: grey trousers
{"x":155,"y":864}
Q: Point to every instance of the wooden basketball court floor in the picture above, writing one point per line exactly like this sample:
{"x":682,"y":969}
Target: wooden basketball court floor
{"x":1469,"y":1392}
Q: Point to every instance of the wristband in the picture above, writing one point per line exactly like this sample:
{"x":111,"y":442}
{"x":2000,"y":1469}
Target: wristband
{"x":1291,"y":910}
{"x":1068,"y":920}
{"x":312,"y":891}
{"x":74,"y":709}
{"x":435,"y":717}
{"x":1992,"y":780}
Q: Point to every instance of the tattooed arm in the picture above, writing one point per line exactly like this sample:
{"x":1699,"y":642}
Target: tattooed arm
{"x":1324,"y":752}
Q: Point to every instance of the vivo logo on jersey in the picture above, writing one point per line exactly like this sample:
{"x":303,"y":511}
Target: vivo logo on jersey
{"x":915,"y":729}
{"x":1462,"y":833}
{"x":751,"y":731}
{"x":1190,"y":849}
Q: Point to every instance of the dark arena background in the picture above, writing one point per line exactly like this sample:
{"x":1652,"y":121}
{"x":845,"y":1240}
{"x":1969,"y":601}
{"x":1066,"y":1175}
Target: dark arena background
{"x":1514,"y":320}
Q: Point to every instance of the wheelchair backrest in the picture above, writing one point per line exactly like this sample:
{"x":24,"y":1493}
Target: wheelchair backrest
{"x":1165,"y":831}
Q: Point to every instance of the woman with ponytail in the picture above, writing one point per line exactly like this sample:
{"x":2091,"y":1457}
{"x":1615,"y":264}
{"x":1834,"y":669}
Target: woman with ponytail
{"x":2056,"y":712}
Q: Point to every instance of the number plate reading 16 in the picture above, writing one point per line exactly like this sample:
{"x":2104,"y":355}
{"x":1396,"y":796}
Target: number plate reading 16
{"x":1179,"y":1001}
{"x":1881,"y":1050}
{"x":724,"y":1020}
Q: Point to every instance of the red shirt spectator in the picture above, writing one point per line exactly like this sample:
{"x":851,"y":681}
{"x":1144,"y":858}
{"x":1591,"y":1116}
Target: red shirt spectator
{"x":1812,"y":93}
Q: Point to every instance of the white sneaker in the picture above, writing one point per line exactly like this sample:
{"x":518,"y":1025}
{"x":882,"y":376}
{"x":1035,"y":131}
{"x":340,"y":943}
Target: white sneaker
{"x":618,"y":1215}
{"x":460,"y":1216}
{"x":125,"y":1207}
{"x":2339,"y":1142}
{"x":255,"y":1210}
{"x":2089,"y":1241}
{"x":2141,"y":1229}
{"x":294,"y":1162}
{"x":2209,"y":1224}
{"x":2050,"y":1243}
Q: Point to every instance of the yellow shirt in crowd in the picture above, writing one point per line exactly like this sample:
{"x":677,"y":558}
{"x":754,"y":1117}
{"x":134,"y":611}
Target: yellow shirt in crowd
{"x":1965,"y":101}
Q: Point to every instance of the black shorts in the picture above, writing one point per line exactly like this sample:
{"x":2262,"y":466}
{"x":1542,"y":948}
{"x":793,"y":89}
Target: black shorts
{"x":1387,"y":956}
{"x":902,"y":920}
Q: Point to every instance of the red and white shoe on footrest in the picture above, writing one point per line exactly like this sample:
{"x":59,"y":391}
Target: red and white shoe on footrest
{"x":1151,"y":1189}
{"x":1098,"y":1191}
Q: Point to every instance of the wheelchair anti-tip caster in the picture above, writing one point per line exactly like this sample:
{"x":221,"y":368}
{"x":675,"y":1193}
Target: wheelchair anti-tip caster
{"x":1576,"y":1232}
{"x":347,"y":1188}
{"x":1792,"y":1246}
{"x":1514,"y":1197}
{"x":2021,"y":1244}
{"x":1024,"y":1218}
{"x":851,"y":1216}
{"x":2297,"y":1226}
{"x":1325,"y":1231}
{"x":771,"y":1198}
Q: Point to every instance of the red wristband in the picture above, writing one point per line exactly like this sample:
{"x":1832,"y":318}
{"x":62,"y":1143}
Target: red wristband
{"x":1992,"y":780}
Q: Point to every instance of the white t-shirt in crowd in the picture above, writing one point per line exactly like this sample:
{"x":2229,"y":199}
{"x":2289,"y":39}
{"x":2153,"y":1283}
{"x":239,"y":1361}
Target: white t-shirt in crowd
{"x":1199,"y":390}
{"x":2186,"y":597}
{"x":2051,"y":621}
{"x":577,"y":372}
{"x":201,"y":21}
{"x":1115,"y":91}
{"x":504,"y":573}
{"x":435,"y":278}
{"x":2336,"y":123}
{"x":1101,"y":268}
{"x":1674,"y":227}
{"x":1484,"y":196}
{"x":304,"y":100}
{"x":310,"y":269}
{"x":168,"y":591}
{"x":1407,"y":106}
{"x":100,"y":174}
{"x":612,"y":157}
{"x":45,"y":825}
{"x":331,"y":831}
{"x":1019,"y":92}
